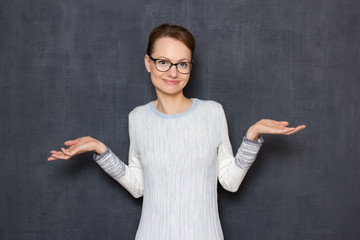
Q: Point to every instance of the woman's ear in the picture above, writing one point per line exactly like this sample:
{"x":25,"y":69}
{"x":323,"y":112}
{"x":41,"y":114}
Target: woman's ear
{"x":147,"y":62}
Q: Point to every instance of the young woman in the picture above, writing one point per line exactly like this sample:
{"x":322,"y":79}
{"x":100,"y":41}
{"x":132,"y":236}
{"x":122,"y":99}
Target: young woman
{"x":179,"y":147}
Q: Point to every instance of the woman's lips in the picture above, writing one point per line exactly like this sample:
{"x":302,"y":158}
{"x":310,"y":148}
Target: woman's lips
{"x":172,"y":82}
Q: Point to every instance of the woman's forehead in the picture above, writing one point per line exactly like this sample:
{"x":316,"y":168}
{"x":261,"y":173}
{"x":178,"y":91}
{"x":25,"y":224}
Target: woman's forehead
{"x":171,"y":48}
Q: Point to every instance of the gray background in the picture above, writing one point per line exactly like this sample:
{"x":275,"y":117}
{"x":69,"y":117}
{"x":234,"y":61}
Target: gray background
{"x":75,"y":68}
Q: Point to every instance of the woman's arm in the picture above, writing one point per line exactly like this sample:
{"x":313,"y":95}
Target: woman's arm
{"x":129,"y":176}
{"x":233,"y":170}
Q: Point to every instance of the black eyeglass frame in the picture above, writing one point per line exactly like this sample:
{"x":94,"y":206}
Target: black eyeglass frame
{"x":172,"y":64}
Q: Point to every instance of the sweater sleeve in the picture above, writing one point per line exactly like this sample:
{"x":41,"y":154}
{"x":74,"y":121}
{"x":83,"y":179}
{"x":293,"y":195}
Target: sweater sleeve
{"x":129,"y":176}
{"x":232,"y":170}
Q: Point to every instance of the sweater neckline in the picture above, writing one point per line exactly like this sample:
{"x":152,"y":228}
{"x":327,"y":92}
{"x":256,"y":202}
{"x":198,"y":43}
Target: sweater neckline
{"x":176,"y":115}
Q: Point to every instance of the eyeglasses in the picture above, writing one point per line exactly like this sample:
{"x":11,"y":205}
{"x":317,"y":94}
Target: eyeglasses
{"x":164,"y":65}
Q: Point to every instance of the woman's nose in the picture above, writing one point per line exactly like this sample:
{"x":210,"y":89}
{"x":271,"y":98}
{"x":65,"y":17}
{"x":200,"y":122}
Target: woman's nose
{"x":172,"y":72}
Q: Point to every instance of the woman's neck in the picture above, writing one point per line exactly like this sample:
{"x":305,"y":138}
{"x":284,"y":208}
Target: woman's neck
{"x":172,"y":104}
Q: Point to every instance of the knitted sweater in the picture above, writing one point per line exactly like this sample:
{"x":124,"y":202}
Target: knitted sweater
{"x":174,"y":162}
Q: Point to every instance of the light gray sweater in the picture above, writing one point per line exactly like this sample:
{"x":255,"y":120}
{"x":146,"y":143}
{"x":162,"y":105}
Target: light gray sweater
{"x":175,"y":161}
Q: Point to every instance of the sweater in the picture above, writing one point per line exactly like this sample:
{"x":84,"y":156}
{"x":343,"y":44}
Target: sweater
{"x":175,"y":161}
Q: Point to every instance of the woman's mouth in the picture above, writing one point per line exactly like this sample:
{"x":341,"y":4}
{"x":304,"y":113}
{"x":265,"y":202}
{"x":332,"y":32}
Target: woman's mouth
{"x":171,"y":82}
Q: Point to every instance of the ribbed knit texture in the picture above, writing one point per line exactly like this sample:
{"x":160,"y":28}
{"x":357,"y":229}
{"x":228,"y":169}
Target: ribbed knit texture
{"x":174,"y":163}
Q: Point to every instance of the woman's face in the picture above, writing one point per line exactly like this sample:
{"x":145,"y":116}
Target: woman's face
{"x":171,"y":82}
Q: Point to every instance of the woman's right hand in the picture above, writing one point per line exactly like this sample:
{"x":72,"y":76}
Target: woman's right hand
{"x":78,"y":146}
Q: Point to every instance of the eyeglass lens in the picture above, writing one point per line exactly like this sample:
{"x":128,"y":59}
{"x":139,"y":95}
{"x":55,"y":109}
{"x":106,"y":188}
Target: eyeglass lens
{"x":165,"y":65}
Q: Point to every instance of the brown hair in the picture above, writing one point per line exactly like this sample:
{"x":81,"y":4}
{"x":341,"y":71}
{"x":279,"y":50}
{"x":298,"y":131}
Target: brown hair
{"x":173,"y":31}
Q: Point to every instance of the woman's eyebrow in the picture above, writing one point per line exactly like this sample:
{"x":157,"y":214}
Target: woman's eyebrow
{"x":180,"y":60}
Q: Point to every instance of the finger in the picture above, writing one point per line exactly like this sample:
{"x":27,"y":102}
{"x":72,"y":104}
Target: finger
{"x":284,"y":123}
{"x":55,"y":152}
{"x":300,"y":128}
{"x":276,"y":127}
{"x":272,"y":129}
{"x":56,"y":155}
{"x":71,"y":142}
{"x":277,"y":122}
{"x":54,"y":158}
{"x":60,"y":156}
{"x":51,"y":158}
{"x":282,"y":130}
{"x":65,"y":151}
{"x":297,"y":129}
{"x":63,"y":157}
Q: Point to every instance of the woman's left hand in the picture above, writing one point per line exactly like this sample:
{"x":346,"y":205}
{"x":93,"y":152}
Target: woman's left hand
{"x":268,"y":126}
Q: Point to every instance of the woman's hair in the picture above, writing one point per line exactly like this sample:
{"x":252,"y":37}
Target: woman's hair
{"x":172,"y":31}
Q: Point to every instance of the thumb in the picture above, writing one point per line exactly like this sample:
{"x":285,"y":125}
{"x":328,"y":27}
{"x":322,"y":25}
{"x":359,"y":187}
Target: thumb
{"x":284,"y":123}
{"x":71,"y":142}
{"x":80,"y":148}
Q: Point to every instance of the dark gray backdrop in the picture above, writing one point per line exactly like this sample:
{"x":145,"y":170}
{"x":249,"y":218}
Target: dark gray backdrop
{"x":75,"y":68}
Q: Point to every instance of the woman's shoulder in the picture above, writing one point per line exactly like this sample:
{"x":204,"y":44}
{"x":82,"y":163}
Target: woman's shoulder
{"x":140,"y":111}
{"x":209,"y":104}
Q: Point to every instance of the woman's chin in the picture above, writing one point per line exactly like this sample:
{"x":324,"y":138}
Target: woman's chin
{"x":169,"y":91}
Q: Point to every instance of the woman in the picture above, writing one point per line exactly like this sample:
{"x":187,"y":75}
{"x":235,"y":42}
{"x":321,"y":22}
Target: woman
{"x":179,"y":147}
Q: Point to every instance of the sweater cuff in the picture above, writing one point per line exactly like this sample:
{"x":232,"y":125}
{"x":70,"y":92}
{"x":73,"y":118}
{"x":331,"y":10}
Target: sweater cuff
{"x":98,"y":157}
{"x":259,"y":142}
{"x":247,"y":153}
{"x":111,"y":164}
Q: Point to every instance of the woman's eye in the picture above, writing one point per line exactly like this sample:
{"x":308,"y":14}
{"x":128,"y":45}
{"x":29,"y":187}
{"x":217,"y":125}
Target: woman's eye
{"x":183,"y":64}
{"x":163,"y":62}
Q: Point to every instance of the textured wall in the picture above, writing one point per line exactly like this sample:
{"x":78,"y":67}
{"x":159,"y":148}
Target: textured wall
{"x":74,"y":68}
